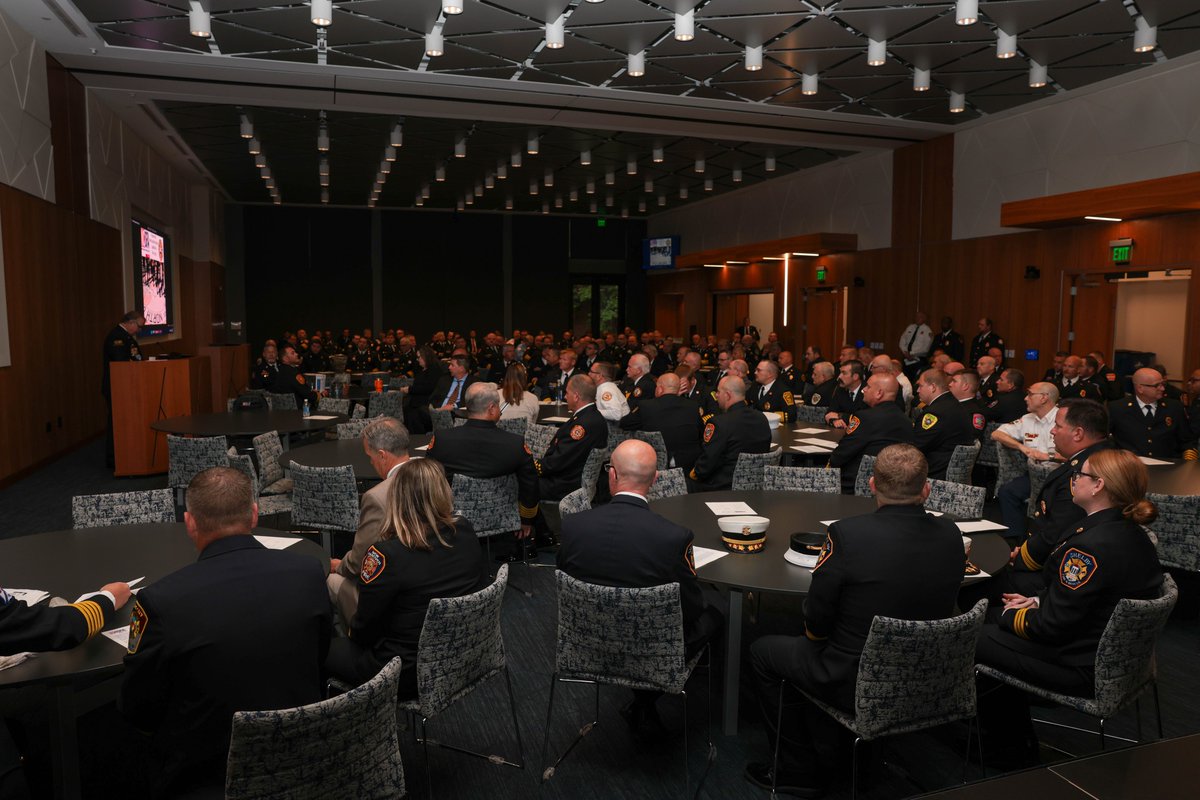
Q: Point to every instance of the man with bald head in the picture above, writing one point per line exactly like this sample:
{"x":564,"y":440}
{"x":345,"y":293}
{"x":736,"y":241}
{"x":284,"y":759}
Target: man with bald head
{"x":624,"y":543}
{"x":987,"y":379}
{"x":871,"y":429}
{"x":1149,"y":424}
{"x":1074,"y":384}
{"x":883,"y":363}
{"x":737,"y":429}
{"x":639,"y":382}
{"x":676,"y":417}
{"x":952,"y":368}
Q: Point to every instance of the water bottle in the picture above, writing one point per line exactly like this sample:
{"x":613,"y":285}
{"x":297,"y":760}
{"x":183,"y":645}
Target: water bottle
{"x":307,"y":411}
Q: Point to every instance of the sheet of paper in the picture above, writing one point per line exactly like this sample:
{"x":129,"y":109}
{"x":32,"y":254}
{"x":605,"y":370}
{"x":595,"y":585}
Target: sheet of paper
{"x":809,"y":448}
{"x":975,"y":526}
{"x":13,"y":660}
{"x":422,"y":447}
{"x":978,"y":576}
{"x":275,"y":542}
{"x":933,"y":513}
{"x":706,"y":555}
{"x":729,"y":509}
{"x":822,"y":443}
{"x":1153,"y":462}
{"x":119,"y":635}
{"x":811,"y":430}
{"x":555,"y":419}
{"x":135,"y":581}
{"x":30,"y":596}
{"x":827,"y":522}
{"x":322,"y":416}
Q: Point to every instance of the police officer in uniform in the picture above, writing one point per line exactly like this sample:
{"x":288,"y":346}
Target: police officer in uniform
{"x":949,"y":341}
{"x":847,"y":398}
{"x":871,"y":429}
{"x":561,"y":469}
{"x":1008,"y":404}
{"x":1149,"y":424}
{"x":944,"y":423}
{"x":119,"y":345}
{"x":639,"y":383}
{"x":964,"y":386}
{"x":788,"y":371}
{"x":986,"y":369}
{"x":820,"y":391}
{"x":290,"y":380}
{"x":1073,"y":384}
{"x":316,"y":359}
{"x":1104,"y":377}
{"x":738,"y":429}
{"x":362,"y":358}
{"x":771,"y":394}
{"x":985,"y":340}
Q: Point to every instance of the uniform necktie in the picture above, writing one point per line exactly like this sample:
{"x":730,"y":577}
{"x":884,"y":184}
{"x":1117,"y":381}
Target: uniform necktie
{"x":1149,"y":411}
{"x":911,"y":339}
{"x":453,"y":396}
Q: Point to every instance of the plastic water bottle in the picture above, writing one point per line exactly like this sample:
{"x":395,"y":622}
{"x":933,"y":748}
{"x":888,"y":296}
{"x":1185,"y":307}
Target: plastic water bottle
{"x":307,"y":411}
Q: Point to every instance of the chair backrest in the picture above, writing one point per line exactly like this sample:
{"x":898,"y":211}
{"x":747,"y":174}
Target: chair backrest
{"x":812,"y":414}
{"x":1178,"y":530}
{"x":385,"y":404}
{"x":338,"y":362}
{"x":325,"y":498}
{"x":443,"y":419}
{"x":1125,"y":654}
{"x":670,"y":483}
{"x":352,"y":429}
{"x":122,"y":508}
{"x":334,"y":405}
{"x":359,"y":412}
{"x":573,"y":503}
{"x":962,"y":461}
{"x":989,"y":455}
{"x":1010,"y":464}
{"x":916,"y":674}
{"x":267,"y":449}
{"x":461,"y":645}
{"x":616,"y":434}
{"x":862,"y":482}
{"x":1038,"y":472}
{"x":245,"y":465}
{"x":538,"y":437}
{"x":281,"y":402}
{"x":489,"y":503}
{"x":515,"y":425}
{"x":620,"y":636}
{"x":345,"y":746}
{"x":654,"y":439}
{"x":590,"y":475}
{"x":188,"y":457}
{"x":803,"y":479}
{"x":748,"y":473}
{"x":956,"y":499}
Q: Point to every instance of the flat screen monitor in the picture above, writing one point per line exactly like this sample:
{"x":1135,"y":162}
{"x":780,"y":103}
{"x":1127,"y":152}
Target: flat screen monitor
{"x":153,"y":291}
{"x":660,"y":252}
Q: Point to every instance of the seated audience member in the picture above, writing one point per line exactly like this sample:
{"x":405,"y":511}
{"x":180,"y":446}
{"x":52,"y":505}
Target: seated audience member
{"x":1050,"y":638}
{"x":425,"y":552}
{"x":515,"y":401}
{"x":883,"y":365}
{"x":561,"y":468}
{"x":953,"y":368}
{"x":451,"y":389}
{"x":737,"y":429}
{"x":942,"y":423}
{"x":609,"y":397}
{"x":1031,"y":436}
{"x":245,"y":628}
{"x":880,"y":424}
{"x":385,"y":441}
{"x":1170,"y":391}
{"x":315,"y":359}
{"x":362,"y":357}
{"x":823,"y":386}
{"x":1055,"y":373}
{"x":420,"y":393}
{"x":673,"y":416}
{"x":1008,"y":403}
{"x":788,"y":372}
{"x":639,"y":382}
{"x":266,"y":369}
{"x":1104,"y":376}
{"x":1073,"y":384}
{"x":1148,"y":424}
{"x":847,"y":398}
{"x":1193,"y":385}
{"x":290,"y":380}
{"x":965,"y":388}
{"x":848,"y":354}
{"x":41,"y":627}
{"x":624,"y":543}
{"x":986,"y":370}
{"x":854,"y":581}
{"x":770,"y":394}
{"x":691,"y":384}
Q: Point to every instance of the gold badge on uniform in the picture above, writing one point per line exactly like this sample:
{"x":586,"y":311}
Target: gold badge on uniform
{"x":928,"y":421}
{"x":137,"y":626}
{"x":606,"y":396}
{"x":577,"y":432}
{"x":637,"y":392}
{"x":709,"y":430}
{"x":788,"y":400}
{"x":815,"y":399}
{"x":767,"y":406}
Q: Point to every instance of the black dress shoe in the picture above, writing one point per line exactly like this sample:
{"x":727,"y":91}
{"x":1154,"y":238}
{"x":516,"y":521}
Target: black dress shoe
{"x":790,"y":782}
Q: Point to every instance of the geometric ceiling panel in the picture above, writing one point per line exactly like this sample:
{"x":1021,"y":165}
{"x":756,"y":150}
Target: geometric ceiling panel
{"x":626,"y":38}
{"x":753,"y":31}
{"x":818,"y":33}
{"x":1094,"y":18}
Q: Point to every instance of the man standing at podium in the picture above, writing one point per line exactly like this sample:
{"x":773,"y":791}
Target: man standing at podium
{"x":119,"y":345}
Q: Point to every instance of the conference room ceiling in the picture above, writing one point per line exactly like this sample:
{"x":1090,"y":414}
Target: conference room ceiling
{"x":1079,"y":41}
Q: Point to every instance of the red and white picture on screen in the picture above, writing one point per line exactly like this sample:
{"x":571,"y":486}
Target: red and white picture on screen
{"x":154,"y":278}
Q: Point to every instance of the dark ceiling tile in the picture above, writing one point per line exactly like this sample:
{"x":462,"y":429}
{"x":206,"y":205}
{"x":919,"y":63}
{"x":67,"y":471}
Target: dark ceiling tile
{"x":856,"y":4}
{"x":704,"y":43}
{"x":113,"y":10}
{"x":887,"y":23}
{"x":418,"y":16}
{"x":593,"y":73}
{"x":1075,"y":77}
{"x":814,"y":60}
{"x":499,"y":73}
{"x":236,"y":39}
{"x":752,"y":31}
{"x":854,"y":86}
{"x":626,"y":38}
{"x":295,"y":23}
{"x":1109,"y":51}
{"x":819,"y":33}
{"x":711,"y":93}
{"x":456,"y":57}
{"x":515,"y":46}
{"x":532,"y":74}
{"x":168,"y":31}
{"x":478,"y":18}
{"x":944,"y":29}
{"x":1056,"y":49}
{"x":119,"y":39}
{"x":406,"y":54}
{"x":1175,"y":43}
{"x":858,"y":67}
{"x":697,"y":67}
{"x":615,"y":11}
{"x":730,"y":8}
{"x":1019,"y":16}
{"x":981,"y":61}
{"x":1092,"y":19}
{"x":933,"y":56}
{"x":755,"y":91}
{"x":541,"y":10}
{"x":573,"y":49}
{"x":654,"y":75}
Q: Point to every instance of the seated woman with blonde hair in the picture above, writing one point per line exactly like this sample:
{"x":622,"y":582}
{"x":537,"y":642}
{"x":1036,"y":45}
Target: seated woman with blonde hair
{"x":515,"y":401}
{"x":424,"y":552}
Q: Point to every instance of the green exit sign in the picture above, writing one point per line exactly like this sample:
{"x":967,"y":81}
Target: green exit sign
{"x":601,"y":222}
{"x":1121,"y":253}
{"x":820,"y":274}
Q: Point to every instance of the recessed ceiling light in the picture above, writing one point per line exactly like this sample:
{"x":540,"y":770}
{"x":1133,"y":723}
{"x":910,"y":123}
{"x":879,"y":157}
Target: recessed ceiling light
{"x":685,"y":26}
{"x":199,"y":22}
{"x":322,"y":13}
{"x":966,"y":12}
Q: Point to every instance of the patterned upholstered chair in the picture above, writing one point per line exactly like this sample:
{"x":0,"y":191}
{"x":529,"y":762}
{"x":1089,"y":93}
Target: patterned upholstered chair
{"x":913,"y":675}
{"x":442,"y":419}
{"x":803,"y":479}
{"x":748,"y":473}
{"x":862,"y":483}
{"x":352,"y":429}
{"x":591,"y":470}
{"x":1125,"y":664}
{"x":1038,"y":472}
{"x":345,"y":746}
{"x":461,"y":647}
{"x":359,"y":412}
{"x":619,"y":637}
{"x":334,"y":405}
{"x":267,"y":449}
{"x":515,"y":425}
{"x":490,"y":504}
{"x":670,"y":483}
{"x":281,"y":402}
{"x":654,"y":439}
{"x":956,"y":499}
{"x":616,"y":434}
{"x":325,"y":499}
{"x":122,"y":508}
{"x":386,"y":404}
{"x":962,"y":461}
{"x":988,"y":455}
{"x":1010,"y":465}
{"x":573,"y":503}
{"x":188,"y":457}
{"x":268,"y":505}
{"x":1178,"y":530}
{"x":538,"y":437}
{"x":813,"y":415}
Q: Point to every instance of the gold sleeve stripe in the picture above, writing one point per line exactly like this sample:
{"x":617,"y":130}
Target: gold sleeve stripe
{"x":92,"y":615}
{"x":527,"y":512}
{"x":1019,"y":623}
{"x":813,"y":636}
{"x":1028,"y":559}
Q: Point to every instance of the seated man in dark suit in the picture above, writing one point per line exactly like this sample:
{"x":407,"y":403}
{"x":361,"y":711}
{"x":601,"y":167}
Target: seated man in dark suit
{"x":1008,"y":404}
{"x":855,"y":579}
{"x":1149,"y":424}
{"x":450,"y":391}
{"x":737,"y":429}
{"x":770,"y":393}
{"x":624,"y":543}
{"x":880,"y":424}
{"x":677,"y":418}
{"x":848,"y":397}
{"x":942,"y":423}
{"x":561,"y":468}
{"x":823,"y":386}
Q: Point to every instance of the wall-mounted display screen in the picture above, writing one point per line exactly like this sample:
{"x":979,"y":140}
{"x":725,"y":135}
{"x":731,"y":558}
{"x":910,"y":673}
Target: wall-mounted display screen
{"x":152,"y":279}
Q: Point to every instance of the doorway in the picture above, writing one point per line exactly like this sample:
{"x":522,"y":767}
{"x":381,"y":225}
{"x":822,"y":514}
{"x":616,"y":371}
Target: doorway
{"x":597,"y":305}
{"x":730,"y":308}
{"x":824,"y":319}
{"x":668,"y":315}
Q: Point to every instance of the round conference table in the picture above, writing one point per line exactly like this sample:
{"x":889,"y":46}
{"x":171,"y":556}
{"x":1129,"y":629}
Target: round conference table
{"x":67,"y":564}
{"x":1180,"y":478}
{"x":247,"y":423}
{"x":342,"y":452}
{"x":767,"y":571}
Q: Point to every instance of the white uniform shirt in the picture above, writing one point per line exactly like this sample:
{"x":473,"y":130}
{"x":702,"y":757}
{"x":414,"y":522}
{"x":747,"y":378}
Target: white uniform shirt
{"x":921,"y":344}
{"x":1033,"y":431}
{"x":611,"y":402}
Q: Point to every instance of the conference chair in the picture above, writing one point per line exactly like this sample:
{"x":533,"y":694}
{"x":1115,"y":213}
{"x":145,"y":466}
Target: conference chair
{"x":1010,"y":465}
{"x":956,"y":499}
{"x":670,"y":483}
{"x":962,"y":461}
{"x":621,"y":637}
{"x":813,"y":415}
{"x":188,"y":457}
{"x":989,"y":455}
{"x":590,"y":475}
{"x":443,"y":419}
{"x":386,"y":404}
{"x":1038,"y":473}
{"x":862,"y":482}
{"x":325,"y":499}
{"x":574,"y":503}
{"x":334,"y":405}
{"x":268,"y":505}
{"x":352,"y":429}
{"x":654,"y":439}
{"x":345,"y":746}
{"x":516,"y":425}
{"x":281,"y":402}
{"x":912,"y":675}
{"x":122,"y":508}
{"x":538,"y":437}
{"x":1125,"y":664}
{"x":748,"y":472}
{"x":803,"y":479}
{"x":1178,"y":530}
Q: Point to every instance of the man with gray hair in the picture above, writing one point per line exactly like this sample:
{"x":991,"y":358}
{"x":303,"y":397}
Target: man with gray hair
{"x":639,"y":382}
{"x":1031,"y":436}
{"x":737,"y":429}
{"x":824,"y":384}
{"x":385,"y":441}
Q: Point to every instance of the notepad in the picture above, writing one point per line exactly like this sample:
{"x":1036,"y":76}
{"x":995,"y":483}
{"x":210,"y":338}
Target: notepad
{"x":30,"y":596}
{"x":555,"y":419}
{"x":276,"y":542}
{"x":729,"y":509}
{"x":977,"y":576}
{"x":322,"y":416}
{"x":706,"y":555}
{"x":119,"y":635}
{"x":978,"y":525}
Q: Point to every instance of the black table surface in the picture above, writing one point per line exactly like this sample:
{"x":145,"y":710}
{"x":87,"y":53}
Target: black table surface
{"x":340,"y":452}
{"x":789,"y":512}
{"x":69,"y":563}
{"x":1177,"y":478}
{"x":246,"y":423}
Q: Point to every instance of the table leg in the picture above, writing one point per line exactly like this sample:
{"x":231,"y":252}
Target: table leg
{"x":733,"y":663}
{"x":64,"y":743}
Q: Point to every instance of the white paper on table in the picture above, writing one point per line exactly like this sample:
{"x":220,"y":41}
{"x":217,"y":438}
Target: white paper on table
{"x":275,"y":542}
{"x":811,"y":430}
{"x":729,"y":509}
{"x":822,"y":443}
{"x":1153,"y":462}
{"x":135,"y":581}
{"x":979,"y":576}
{"x":555,"y":419}
{"x":30,"y":596}
{"x":119,"y":635}
{"x":827,"y":522}
{"x":933,"y":513}
{"x":13,"y":660}
{"x":809,"y":448}
{"x":422,"y":447}
{"x":322,"y":416}
{"x":706,"y":555}
{"x":976,"y":526}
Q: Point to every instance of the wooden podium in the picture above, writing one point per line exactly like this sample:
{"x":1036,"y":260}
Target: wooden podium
{"x":146,"y":391}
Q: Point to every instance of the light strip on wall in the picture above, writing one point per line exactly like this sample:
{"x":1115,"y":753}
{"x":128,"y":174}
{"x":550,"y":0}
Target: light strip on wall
{"x":786,"y":264}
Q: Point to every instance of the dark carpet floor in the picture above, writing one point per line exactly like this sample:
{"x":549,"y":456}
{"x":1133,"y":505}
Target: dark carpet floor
{"x":608,"y":763}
